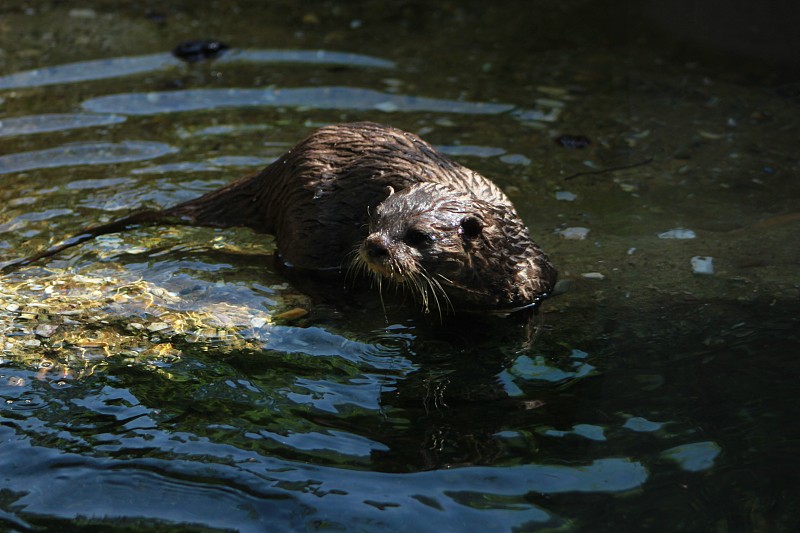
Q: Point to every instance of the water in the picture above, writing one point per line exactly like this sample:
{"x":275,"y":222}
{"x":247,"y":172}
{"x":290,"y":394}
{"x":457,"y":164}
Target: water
{"x":171,"y":378}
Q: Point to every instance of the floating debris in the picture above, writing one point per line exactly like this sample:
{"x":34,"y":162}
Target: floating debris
{"x":573,"y":142}
{"x":702,"y":265}
{"x":515,"y":159}
{"x":292,"y":314}
{"x":677,"y":233}
{"x":633,"y":138}
{"x":576,"y":233}
{"x":554,"y":92}
{"x":566,"y":196}
{"x":199,"y":50}
{"x":85,"y":13}
{"x":593,"y":275}
{"x":709,"y":135}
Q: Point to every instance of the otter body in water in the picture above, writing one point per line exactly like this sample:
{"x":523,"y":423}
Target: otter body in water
{"x":382,"y":200}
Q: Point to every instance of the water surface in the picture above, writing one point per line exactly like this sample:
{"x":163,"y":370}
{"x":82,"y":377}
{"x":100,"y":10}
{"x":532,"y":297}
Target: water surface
{"x":172,"y":378}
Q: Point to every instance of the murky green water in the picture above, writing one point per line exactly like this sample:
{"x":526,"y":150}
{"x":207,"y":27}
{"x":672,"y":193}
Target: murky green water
{"x":164,"y":377}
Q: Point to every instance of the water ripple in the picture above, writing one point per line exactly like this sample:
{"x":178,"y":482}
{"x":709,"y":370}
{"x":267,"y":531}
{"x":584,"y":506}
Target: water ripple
{"x":88,"y":70}
{"x":334,"y":97}
{"x":55,"y":122}
{"x":125,"y":66}
{"x":211,"y":165}
{"x":317,"y":342}
{"x":311,"y":57}
{"x":470,"y":150}
{"x":99,"y":153}
{"x":244,"y":488}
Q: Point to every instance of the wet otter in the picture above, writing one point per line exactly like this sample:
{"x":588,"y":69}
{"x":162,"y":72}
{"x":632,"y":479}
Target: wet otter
{"x":446,"y":232}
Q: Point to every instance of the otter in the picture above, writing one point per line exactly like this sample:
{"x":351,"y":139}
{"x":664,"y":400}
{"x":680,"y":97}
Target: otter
{"x":372,"y":199}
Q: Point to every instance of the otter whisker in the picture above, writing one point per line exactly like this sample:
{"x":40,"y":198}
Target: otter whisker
{"x":447,"y":299}
{"x":422,"y":289}
{"x":380,"y":295}
{"x":412,"y":286}
{"x":436,"y":285}
{"x":430,"y":284}
{"x":448,"y":280}
{"x":355,"y":265}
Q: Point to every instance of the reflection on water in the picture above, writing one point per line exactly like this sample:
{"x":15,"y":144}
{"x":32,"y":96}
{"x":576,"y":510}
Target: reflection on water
{"x":214,"y":164}
{"x":255,"y":436}
{"x":343,"y":98}
{"x":170,"y":377}
{"x":54,"y":122}
{"x":127,"y":66}
{"x":100,"y":153}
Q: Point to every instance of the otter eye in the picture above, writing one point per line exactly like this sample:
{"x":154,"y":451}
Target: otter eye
{"x":416,"y":238}
{"x":470,"y":227}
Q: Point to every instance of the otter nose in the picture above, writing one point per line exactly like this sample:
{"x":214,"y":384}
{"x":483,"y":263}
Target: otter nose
{"x":376,"y":246}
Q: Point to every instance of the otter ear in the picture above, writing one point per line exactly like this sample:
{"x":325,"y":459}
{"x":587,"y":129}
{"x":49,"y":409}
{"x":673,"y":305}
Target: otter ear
{"x":389,"y":190}
{"x":470,"y":227}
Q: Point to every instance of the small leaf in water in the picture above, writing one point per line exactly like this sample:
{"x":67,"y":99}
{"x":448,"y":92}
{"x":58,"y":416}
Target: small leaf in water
{"x":292,"y":314}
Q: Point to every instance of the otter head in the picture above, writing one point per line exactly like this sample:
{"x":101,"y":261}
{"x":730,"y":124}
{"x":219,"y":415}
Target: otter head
{"x":454,"y":251}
